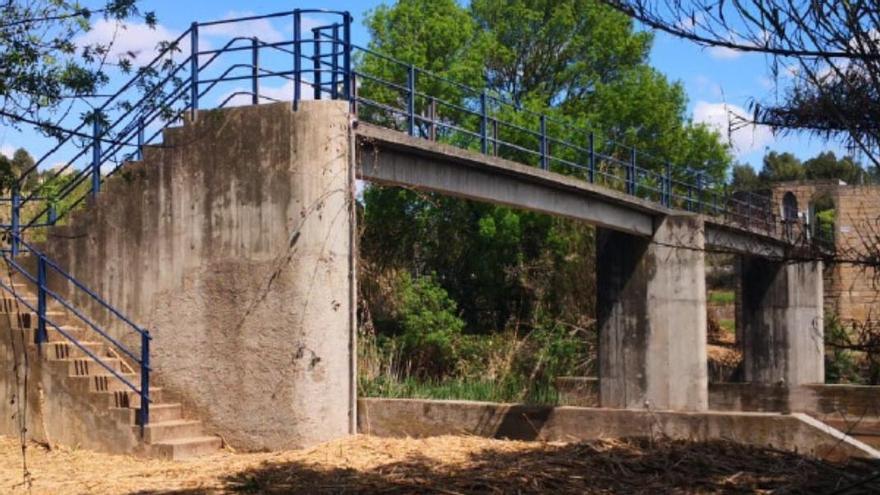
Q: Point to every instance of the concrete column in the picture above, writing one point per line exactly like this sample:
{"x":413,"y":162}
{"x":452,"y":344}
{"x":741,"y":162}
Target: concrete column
{"x":782,"y":321}
{"x":652,"y":317}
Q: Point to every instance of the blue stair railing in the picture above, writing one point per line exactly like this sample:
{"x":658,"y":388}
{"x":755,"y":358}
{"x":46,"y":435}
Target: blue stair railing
{"x":46,"y":268}
{"x":188,"y":74}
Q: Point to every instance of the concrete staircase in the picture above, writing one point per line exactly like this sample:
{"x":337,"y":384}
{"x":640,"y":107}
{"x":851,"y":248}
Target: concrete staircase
{"x":170,"y":434}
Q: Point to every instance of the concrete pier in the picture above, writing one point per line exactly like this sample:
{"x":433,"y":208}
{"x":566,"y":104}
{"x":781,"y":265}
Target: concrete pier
{"x":782,"y":321}
{"x":652,"y":317}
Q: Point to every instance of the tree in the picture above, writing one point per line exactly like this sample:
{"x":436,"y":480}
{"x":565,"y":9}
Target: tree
{"x":576,"y":60}
{"x":829,"y":48}
{"x":744,"y":178}
{"x":781,"y":167}
{"x":40,"y":65}
{"x":827,"y":166}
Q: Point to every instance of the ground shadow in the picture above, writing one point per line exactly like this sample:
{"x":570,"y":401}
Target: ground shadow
{"x":631,"y":466}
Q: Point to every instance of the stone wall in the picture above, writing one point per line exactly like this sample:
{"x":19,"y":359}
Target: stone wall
{"x":850,"y":290}
{"x":232,"y":244}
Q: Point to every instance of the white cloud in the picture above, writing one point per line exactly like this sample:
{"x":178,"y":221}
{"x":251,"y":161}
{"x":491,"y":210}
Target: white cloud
{"x":745,"y":138}
{"x":268,"y":94}
{"x":261,"y":28}
{"x":7,"y":150}
{"x":134,"y":38}
{"x":724,"y":53}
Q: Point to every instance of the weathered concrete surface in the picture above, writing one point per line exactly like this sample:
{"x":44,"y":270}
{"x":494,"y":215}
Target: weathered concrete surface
{"x":231,"y":244}
{"x":390,"y":157}
{"x":393,"y":158}
{"x":35,"y":397}
{"x":423,"y":418}
{"x":782,"y":327}
{"x":652,"y":317}
{"x":822,"y":401}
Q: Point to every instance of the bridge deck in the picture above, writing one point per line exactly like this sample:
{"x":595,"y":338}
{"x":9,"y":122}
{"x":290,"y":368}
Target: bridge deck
{"x":390,"y":157}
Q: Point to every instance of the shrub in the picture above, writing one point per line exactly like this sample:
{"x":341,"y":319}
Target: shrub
{"x":429,"y":323}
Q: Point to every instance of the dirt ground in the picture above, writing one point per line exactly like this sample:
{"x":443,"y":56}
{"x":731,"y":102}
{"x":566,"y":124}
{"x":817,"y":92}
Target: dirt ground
{"x":447,"y":465}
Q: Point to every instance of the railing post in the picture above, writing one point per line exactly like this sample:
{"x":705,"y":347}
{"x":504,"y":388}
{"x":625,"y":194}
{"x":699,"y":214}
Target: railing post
{"x":96,"y":155}
{"x":297,"y":50}
{"x":41,"y":336}
{"x":140,"y":138}
{"x":591,"y":160}
{"x":144,"y":411}
{"x":667,"y":186}
{"x":348,"y":83}
{"x":432,"y":117}
{"x":699,"y":191}
{"x":484,"y":124}
{"x":495,"y":137}
{"x":194,"y":68}
{"x":411,"y":100}
{"x":631,"y":172}
{"x":316,"y":63}
{"x":255,"y":70}
{"x":52,"y":213}
{"x":334,"y":64}
{"x":545,"y":163}
{"x":16,"y":220}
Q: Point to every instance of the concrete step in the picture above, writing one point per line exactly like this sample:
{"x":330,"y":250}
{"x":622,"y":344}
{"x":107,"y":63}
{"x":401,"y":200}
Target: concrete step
{"x":125,"y":399}
{"x":53,"y":335}
{"x":159,"y":413}
{"x":170,"y":430}
{"x":186,"y":448}
{"x":88,"y":367}
{"x":102,"y":382}
{"x":69,"y":350}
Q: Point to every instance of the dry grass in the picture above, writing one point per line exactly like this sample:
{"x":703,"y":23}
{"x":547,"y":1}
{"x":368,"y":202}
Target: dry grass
{"x":365,"y":464}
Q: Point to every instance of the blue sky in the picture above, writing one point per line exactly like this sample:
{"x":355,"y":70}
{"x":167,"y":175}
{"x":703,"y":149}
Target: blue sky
{"x":716,"y":81}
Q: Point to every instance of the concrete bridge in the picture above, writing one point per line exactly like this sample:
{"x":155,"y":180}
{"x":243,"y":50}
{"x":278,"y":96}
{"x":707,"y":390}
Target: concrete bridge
{"x":232,"y":238}
{"x":651,"y":278}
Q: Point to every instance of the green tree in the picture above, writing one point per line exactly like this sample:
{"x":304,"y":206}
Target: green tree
{"x":744,"y":178}
{"x":781,"y":167}
{"x":577,"y":60}
{"x":828,"y":166}
{"x":41,"y":66}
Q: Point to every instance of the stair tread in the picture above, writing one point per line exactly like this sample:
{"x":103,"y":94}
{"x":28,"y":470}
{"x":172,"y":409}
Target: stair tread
{"x":189,"y":440}
{"x":173,"y":422}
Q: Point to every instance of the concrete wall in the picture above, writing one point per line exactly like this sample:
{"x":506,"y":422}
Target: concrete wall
{"x":837,"y":401}
{"x":232,"y":245}
{"x":652,"y":317}
{"x":423,"y":418}
{"x":782,"y":321}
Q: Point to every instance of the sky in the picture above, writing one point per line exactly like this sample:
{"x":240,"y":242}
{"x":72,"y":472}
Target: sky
{"x":717,"y":81}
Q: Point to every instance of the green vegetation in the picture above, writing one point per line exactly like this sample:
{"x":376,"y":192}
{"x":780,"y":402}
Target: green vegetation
{"x":782,"y":167}
{"x":469,"y":300}
{"x":722,"y":297}
{"x":841,"y":363}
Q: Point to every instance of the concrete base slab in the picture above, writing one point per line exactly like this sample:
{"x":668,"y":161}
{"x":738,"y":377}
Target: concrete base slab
{"x":424,"y":418}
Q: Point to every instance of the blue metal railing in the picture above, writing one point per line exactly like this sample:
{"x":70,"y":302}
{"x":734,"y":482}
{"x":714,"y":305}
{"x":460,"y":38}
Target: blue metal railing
{"x":175,"y":85}
{"x":46,"y":268}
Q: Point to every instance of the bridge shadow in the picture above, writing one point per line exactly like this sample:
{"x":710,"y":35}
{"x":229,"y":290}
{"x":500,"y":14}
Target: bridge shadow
{"x":627,"y":466}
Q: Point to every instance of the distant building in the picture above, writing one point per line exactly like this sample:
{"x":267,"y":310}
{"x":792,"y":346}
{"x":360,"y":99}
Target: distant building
{"x":849,"y":217}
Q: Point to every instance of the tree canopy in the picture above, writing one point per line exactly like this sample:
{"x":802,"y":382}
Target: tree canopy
{"x":577,"y":60}
{"x":828,"y":50}
{"x":42,"y":67}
